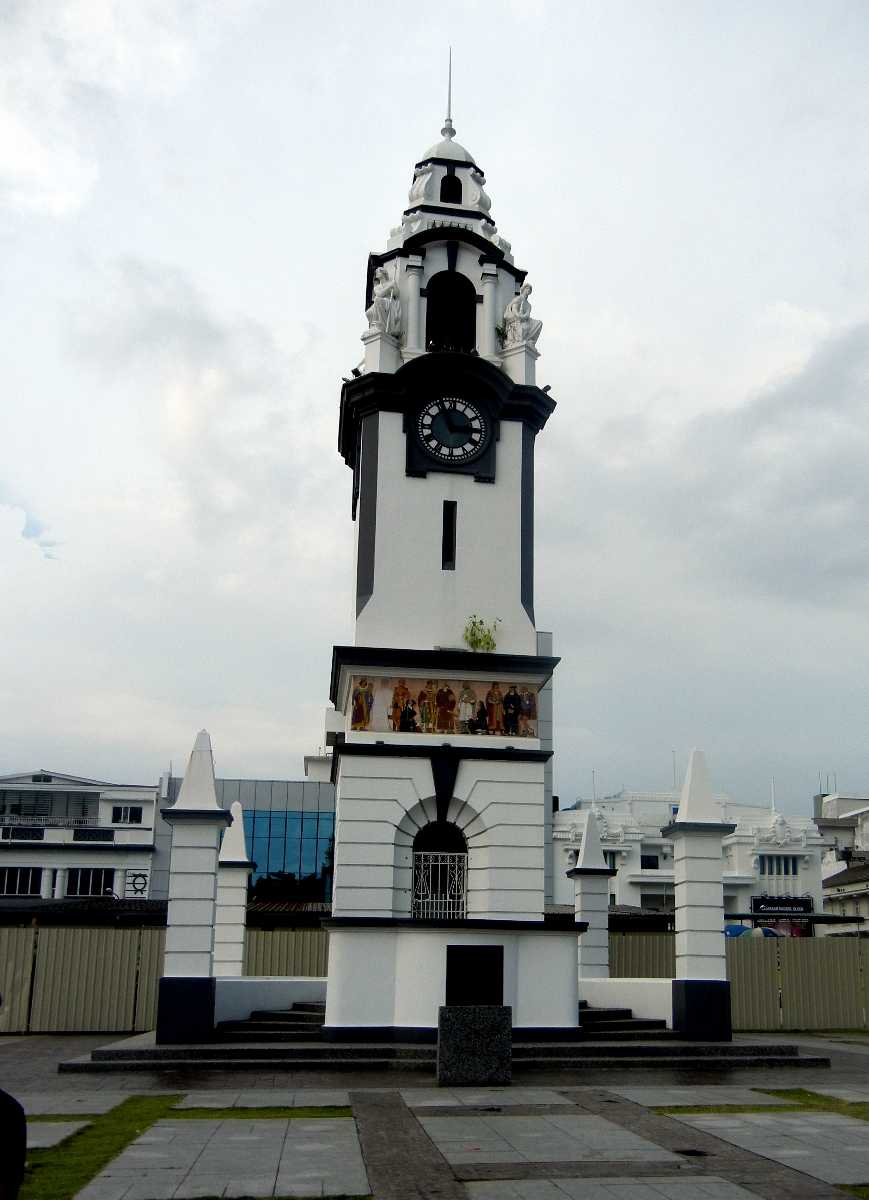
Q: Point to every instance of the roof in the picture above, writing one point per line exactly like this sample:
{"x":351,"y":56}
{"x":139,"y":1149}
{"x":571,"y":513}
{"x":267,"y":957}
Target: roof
{"x":848,"y":822}
{"x":25,"y":778}
{"x":855,"y":874}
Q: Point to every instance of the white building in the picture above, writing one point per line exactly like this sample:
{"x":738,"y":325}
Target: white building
{"x":65,"y":837}
{"x":772,"y":862}
{"x":842,"y":819}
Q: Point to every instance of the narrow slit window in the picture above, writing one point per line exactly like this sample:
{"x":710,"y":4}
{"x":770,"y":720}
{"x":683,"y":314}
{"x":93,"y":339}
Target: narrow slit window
{"x":448,"y":541}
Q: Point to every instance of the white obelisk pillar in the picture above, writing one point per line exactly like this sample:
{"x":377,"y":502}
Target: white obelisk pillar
{"x":591,"y":878}
{"x":701,"y":993}
{"x":233,"y":871}
{"x":185,"y":1008}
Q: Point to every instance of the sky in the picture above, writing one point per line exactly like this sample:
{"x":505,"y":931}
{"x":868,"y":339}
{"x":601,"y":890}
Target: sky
{"x":188,"y":194}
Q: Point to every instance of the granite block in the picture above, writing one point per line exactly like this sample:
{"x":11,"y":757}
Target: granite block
{"x":475,"y":1045}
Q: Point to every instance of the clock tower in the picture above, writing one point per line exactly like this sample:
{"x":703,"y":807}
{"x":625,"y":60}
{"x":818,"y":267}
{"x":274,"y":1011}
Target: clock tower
{"x":438,"y":764}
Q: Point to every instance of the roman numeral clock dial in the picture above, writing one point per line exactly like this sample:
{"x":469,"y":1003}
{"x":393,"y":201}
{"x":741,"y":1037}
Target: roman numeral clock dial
{"x":452,"y":430}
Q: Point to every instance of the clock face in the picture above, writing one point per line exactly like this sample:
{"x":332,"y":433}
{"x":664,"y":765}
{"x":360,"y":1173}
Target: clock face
{"x":452,"y":430}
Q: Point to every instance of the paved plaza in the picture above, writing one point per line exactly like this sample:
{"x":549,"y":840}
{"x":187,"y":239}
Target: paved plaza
{"x":824,"y":1145}
{"x":587,"y":1135}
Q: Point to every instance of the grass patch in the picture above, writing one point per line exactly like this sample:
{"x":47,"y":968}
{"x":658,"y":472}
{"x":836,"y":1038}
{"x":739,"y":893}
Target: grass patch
{"x":61,"y":1172}
{"x":819,"y":1103}
{"x":257,"y":1114}
{"x":793,"y":1100}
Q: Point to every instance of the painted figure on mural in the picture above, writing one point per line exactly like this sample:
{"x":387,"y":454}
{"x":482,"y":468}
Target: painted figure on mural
{"x":400,"y":697}
{"x":528,"y":715}
{"x":480,"y":722}
{"x":495,"y":709}
{"x":467,"y":707}
{"x":428,"y":706}
{"x":446,"y":706}
{"x":512,"y":706}
{"x":363,"y":702}
{"x":407,"y":721}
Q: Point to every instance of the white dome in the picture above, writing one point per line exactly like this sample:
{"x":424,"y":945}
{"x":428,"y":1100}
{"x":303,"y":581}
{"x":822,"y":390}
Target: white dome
{"x":448,"y":149}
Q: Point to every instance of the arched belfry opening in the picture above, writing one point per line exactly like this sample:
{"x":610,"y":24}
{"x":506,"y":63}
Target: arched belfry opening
{"x":451,"y":313}
{"x":451,"y":190}
{"x":440,"y":872}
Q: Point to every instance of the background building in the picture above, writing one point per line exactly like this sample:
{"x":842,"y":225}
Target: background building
{"x":772,"y":862}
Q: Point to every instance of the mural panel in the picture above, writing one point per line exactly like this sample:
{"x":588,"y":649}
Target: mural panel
{"x":403,"y":705}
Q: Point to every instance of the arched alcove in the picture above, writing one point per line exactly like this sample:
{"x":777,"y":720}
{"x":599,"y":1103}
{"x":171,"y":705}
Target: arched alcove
{"x":440,"y":872}
{"x":451,"y":313}
{"x":451,"y":190}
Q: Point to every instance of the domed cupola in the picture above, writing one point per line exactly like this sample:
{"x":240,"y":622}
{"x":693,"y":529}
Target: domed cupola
{"x":447,"y":281}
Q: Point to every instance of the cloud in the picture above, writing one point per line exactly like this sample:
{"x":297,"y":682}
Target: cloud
{"x":26,"y":524}
{"x":60,"y":60}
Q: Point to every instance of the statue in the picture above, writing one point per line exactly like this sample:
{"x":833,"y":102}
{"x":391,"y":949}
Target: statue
{"x":384,"y":315}
{"x":419,"y":189}
{"x":477,"y":197}
{"x":519,"y":327}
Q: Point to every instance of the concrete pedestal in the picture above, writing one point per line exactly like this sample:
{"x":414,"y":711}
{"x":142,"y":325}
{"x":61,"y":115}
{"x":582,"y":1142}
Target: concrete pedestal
{"x":701,"y":1010}
{"x":475,"y":1046}
{"x":185,"y":1010}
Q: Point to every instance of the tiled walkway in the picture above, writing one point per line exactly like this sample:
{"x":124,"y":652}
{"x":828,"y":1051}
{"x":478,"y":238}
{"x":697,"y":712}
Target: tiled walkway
{"x":236,"y":1158}
{"x":824,"y":1145}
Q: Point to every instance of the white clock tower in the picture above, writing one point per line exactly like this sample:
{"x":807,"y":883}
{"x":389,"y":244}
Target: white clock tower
{"x":439,"y":861}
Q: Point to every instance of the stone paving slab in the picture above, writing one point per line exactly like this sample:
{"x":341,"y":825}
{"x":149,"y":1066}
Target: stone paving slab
{"x":651,"y":1097}
{"x":549,"y":1138}
{"x":854,"y":1095}
{"x":178,"y":1160}
{"x":478,"y":1097}
{"x":826,"y":1146}
{"x":39,"y":1104}
{"x":267,"y":1098}
{"x":41,"y":1135}
{"x":709,"y":1188}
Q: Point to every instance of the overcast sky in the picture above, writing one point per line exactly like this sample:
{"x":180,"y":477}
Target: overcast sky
{"x":188,"y":193}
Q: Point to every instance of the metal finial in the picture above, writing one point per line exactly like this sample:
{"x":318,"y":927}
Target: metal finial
{"x":448,"y":131}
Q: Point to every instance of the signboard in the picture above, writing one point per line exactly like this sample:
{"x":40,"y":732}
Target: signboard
{"x":405,"y":705}
{"x":781,"y":906}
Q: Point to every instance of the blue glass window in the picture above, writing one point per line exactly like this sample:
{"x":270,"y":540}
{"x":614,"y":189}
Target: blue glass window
{"x":309,"y":857}
{"x":309,"y":825}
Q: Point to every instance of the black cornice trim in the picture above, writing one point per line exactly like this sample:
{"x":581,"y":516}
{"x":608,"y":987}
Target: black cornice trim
{"x":441,"y":662}
{"x":578,"y":872}
{"x":721,"y":827}
{"x":444,"y":210}
{"x":195,"y":815}
{"x":382,"y":391}
{"x":553,"y":924}
{"x":445,"y":760}
{"x":450,"y":162}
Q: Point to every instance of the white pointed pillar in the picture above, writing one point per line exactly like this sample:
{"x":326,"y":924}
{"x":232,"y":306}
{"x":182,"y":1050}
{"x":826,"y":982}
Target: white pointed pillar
{"x":233,"y":871}
{"x":701,"y":993}
{"x":591,"y":878}
{"x":185,"y":1008}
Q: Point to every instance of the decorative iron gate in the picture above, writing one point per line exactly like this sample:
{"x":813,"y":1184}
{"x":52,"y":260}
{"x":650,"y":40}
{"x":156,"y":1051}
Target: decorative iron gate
{"x":439,"y":885}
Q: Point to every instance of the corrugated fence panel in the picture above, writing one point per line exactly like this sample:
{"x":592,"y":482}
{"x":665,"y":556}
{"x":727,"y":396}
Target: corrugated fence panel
{"x":85,"y":980}
{"x":820,"y":983}
{"x":286,"y":952}
{"x":753,"y":971}
{"x":150,"y":967}
{"x":864,"y":976}
{"x":16,"y":965}
{"x":643,"y":955}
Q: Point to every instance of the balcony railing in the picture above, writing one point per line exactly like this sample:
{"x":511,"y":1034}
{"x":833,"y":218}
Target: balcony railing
{"x":49,"y":821}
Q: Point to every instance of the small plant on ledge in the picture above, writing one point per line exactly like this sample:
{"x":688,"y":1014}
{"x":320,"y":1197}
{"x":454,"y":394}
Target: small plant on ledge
{"x":480,"y":636}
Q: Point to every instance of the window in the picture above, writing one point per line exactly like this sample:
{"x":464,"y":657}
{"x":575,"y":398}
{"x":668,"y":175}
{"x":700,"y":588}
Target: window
{"x":90,"y":881}
{"x":648,"y":862}
{"x":610,"y":859}
{"x":440,"y":866}
{"x":450,"y":312}
{"x":656,"y":902}
{"x":778,"y":864}
{"x":24,"y":833}
{"x":127,"y":814}
{"x":451,"y":190}
{"x":20,"y":881}
{"x":448,"y":539}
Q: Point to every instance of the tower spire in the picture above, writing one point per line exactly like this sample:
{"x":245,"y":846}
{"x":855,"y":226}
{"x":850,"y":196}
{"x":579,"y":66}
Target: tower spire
{"x":448,"y":131}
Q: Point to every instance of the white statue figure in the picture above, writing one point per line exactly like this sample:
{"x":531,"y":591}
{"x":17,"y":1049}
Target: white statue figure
{"x":477,"y":198}
{"x":519,"y":327}
{"x":603,"y":828}
{"x":384,"y":315}
{"x":419,"y":189}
